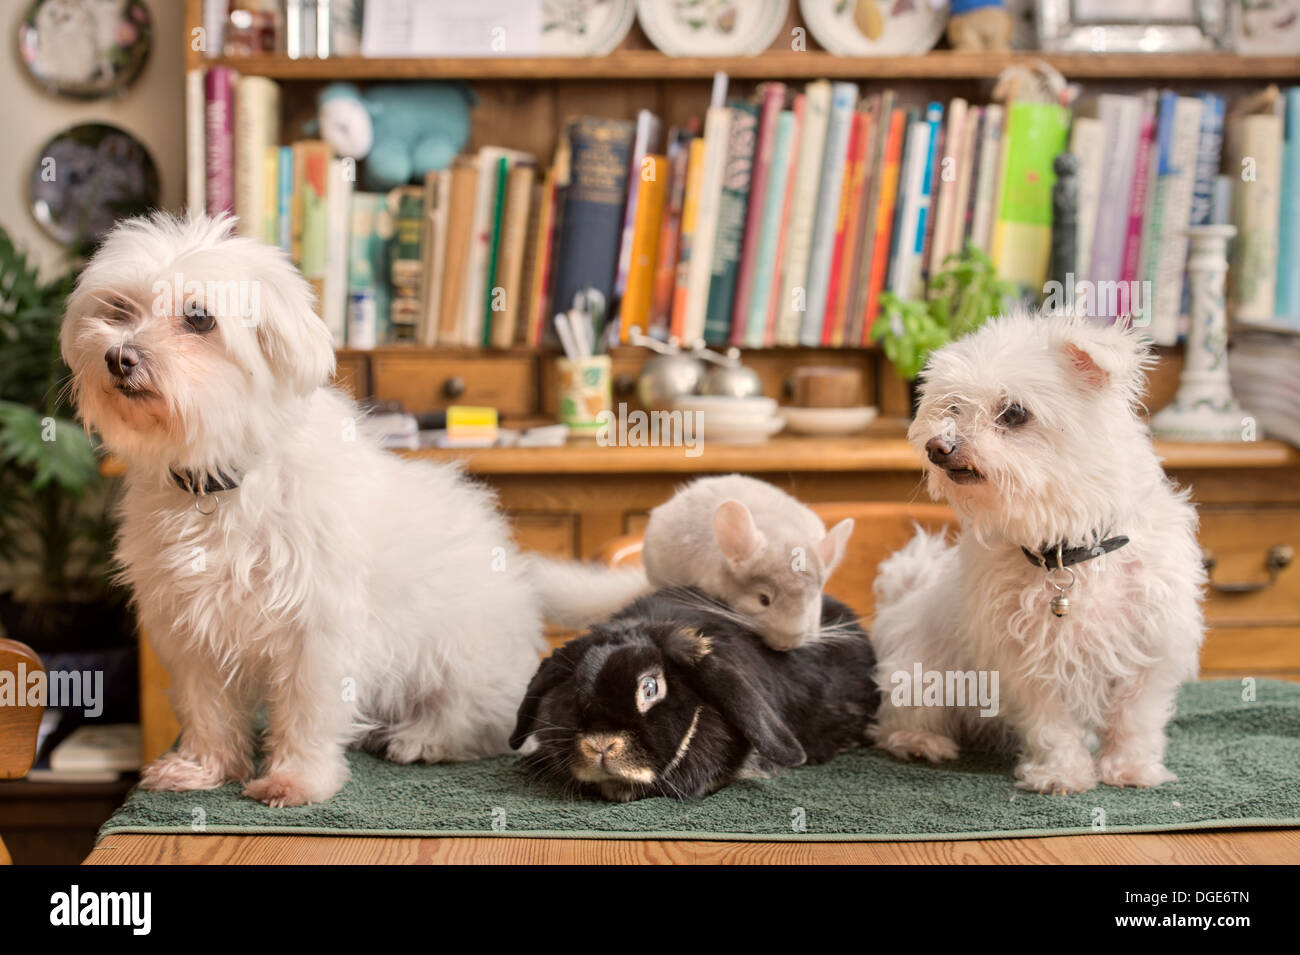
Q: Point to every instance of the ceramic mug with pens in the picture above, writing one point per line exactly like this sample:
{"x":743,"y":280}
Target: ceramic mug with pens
{"x":585,"y":390}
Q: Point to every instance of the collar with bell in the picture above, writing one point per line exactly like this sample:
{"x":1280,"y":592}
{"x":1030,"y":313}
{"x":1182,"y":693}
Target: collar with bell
{"x":1058,"y":559}
{"x":204,"y":485}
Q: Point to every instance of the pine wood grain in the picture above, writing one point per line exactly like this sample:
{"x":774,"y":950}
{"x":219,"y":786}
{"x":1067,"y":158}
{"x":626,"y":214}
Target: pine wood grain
{"x":1264,"y":847}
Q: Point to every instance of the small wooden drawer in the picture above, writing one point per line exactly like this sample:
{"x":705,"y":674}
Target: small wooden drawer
{"x":1251,"y":649}
{"x":555,"y":535}
{"x":423,"y":382}
{"x":1239,"y":540}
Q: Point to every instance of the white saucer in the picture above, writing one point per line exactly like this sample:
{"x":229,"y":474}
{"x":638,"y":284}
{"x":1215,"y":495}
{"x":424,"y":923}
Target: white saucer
{"x":827,"y":421}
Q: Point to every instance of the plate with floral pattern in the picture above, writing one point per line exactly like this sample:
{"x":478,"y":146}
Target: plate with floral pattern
{"x":585,"y":27}
{"x":85,"y":48}
{"x":875,"y":27}
{"x":712,"y":27}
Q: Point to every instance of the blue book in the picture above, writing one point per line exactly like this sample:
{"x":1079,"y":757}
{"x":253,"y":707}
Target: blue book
{"x":284,"y":199}
{"x":844,"y":97}
{"x":765,"y":263}
{"x":1288,"y":237}
{"x":934,"y":117}
{"x":733,"y":207}
{"x":911,"y":143}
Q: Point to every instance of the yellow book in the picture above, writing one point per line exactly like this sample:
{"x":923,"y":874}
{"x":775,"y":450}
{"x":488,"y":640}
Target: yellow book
{"x":635,"y":310}
{"x":690,"y":212}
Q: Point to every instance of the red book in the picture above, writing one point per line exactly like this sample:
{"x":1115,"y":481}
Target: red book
{"x":884,"y":220}
{"x":219,"y":158}
{"x":855,"y":184}
{"x":774,"y":303}
{"x":773,"y":102}
{"x":832,"y":315}
{"x":1137,"y":204}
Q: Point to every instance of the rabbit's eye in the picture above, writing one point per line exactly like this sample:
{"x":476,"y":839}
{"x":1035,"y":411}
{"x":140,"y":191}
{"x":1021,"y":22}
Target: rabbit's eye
{"x":650,"y":690}
{"x":765,"y":599}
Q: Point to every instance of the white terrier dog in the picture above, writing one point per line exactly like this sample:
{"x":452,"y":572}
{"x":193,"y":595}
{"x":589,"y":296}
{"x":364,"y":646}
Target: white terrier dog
{"x":278,"y":556}
{"x":1031,"y":433}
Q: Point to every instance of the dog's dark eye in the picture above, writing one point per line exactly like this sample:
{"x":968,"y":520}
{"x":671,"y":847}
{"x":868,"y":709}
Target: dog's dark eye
{"x":1013,"y":416}
{"x":765,"y":600}
{"x":200,"y":321}
{"x":118,"y":310}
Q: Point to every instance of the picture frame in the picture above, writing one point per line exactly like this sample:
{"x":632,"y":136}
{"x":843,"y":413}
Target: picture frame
{"x":1119,"y":26}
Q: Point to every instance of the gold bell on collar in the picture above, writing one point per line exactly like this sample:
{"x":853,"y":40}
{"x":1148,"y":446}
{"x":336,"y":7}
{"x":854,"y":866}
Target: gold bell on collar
{"x":1061,"y":605}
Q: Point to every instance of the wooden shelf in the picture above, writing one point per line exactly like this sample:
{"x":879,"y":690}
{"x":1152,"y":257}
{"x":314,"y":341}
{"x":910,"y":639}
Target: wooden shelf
{"x":881,"y":448}
{"x":652,"y":65}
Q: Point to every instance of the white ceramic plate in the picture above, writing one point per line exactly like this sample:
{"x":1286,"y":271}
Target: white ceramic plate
{"x":905,"y":26}
{"x":828,"y":421}
{"x":724,"y":431}
{"x":712,"y":27}
{"x":732,"y":409}
{"x":585,"y":27}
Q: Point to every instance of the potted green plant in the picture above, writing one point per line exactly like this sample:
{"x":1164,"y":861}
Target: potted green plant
{"x":958,"y":300}
{"x":55,"y":523}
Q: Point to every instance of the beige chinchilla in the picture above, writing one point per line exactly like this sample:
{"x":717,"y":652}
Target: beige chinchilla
{"x":750,"y":545}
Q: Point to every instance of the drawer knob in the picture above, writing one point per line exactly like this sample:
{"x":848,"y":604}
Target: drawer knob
{"x":453,"y":387}
{"x":1276,"y":560}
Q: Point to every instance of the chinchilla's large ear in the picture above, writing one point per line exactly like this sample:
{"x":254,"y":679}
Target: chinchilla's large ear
{"x":831,"y":547}
{"x":725,"y":686}
{"x":294,"y":340}
{"x":734,"y":530}
{"x":554,"y":670}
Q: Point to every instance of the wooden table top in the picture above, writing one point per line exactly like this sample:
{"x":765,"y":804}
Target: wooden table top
{"x":1241,"y":847}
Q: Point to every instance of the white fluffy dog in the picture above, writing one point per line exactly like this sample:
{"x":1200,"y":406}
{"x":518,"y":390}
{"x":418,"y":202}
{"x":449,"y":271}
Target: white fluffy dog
{"x":1031,"y":433}
{"x":278,"y":556}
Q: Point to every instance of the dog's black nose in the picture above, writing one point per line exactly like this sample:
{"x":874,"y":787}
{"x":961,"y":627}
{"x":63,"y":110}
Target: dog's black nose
{"x":940,"y":450}
{"x":122,"y":360}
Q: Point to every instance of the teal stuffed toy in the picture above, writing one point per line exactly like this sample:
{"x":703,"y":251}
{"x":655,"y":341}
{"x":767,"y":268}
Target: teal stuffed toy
{"x":402,"y":131}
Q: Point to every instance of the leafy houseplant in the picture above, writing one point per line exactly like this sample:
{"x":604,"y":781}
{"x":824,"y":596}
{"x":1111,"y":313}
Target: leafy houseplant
{"x":55,"y":531}
{"x":958,"y":300}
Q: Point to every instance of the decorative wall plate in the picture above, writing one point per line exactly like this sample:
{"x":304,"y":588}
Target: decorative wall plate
{"x":712,"y":27}
{"x":585,"y":27}
{"x":875,"y":27}
{"x":1266,"y":27}
{"x":85,"y":48}
{"x":87,"y":178}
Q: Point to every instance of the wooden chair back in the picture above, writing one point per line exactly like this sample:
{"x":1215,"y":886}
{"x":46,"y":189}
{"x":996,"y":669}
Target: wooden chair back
{"x":19,"y":722}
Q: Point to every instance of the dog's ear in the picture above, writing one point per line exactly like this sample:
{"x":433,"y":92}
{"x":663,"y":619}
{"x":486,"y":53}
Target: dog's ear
{"x":734,"y":530}
{"x":294,"y":340}
{"x":1106,"y":356}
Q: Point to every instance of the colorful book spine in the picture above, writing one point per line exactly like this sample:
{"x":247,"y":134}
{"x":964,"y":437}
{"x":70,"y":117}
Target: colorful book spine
{"x":592,"y":220}
{"x":980,"y":234}
{"x":196,"y":164}
{"x":1121,"y":118}
{"x":729,"y":234}
{"x":717,"y":138}
{"x":793,"y":301}
{"x":311,"y":212}
{"x":334,"y":284}
{"x":367,"y":263}
{"x":925,"y":202}
{"x":1166,"y":258}
{"x":881,"y":242}
{"x":1132,"y":261}
{"x":775,"y":303}
{"x":845,"y":233}
{"x":1288,"y":243}
{"x":493,"y":294}
{"x":1087,"y":145}
{"x":256,"y":129}
{"x":1257,"y":153}
{"x":661,"y":309}
{"x":647,"y":140}
{"x":882,"y":110}
{"x":1022,"y":240}
{"x":219,"y":146}
{"x":437,"y":198}
{"x":284,"y":213}
{"x":950,"y":171}
{"x":769,"y":115}
{"x":839,"y":129}
{"x":460,"y":217}
{"x":907,"y":219}
{"x":690,"y":215}
{"x":634,"y":312}
{"x":543,"y":256}
{"x":766,"y":256}
{"x":508,"y":305}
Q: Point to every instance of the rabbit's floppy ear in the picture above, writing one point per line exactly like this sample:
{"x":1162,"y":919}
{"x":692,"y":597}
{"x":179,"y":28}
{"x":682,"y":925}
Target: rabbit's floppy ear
{"x":726,"y":688}
{"x":554,"y":670}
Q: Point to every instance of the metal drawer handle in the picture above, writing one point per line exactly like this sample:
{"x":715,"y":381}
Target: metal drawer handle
{"x":1277,"y":560}
{"x":453,"y":387}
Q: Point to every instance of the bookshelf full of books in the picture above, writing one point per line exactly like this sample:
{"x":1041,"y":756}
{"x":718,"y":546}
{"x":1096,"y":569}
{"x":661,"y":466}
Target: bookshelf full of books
{"x":777,"y":212}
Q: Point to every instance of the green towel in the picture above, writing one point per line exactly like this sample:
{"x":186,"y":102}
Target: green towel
{"x":1238,"y":766}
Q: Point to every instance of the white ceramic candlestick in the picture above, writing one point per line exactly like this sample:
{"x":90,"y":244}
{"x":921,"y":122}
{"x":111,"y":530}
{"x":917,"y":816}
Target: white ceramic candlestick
{"x":1204,"y":408}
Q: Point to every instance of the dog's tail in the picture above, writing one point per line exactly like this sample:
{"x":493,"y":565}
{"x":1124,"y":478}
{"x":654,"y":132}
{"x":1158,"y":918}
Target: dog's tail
{"x":577,"y":595}
{"x":908,"y":570}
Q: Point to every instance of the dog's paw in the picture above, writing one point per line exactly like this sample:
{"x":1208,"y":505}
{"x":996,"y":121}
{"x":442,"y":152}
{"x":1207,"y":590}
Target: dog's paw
{"x":1056,"y":779}
{"x":175,"y":773}
{"x":929,"y":746}
{"x":1119,"y":771}
{"x":280,"y":789}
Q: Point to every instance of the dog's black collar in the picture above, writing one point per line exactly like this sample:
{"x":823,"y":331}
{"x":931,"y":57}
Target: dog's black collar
{"x":209,"y":482}
{"x":1050,"y":555}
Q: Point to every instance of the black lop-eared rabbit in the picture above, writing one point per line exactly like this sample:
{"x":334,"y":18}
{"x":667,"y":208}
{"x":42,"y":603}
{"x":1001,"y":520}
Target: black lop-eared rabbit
{"x":676,"y":696}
